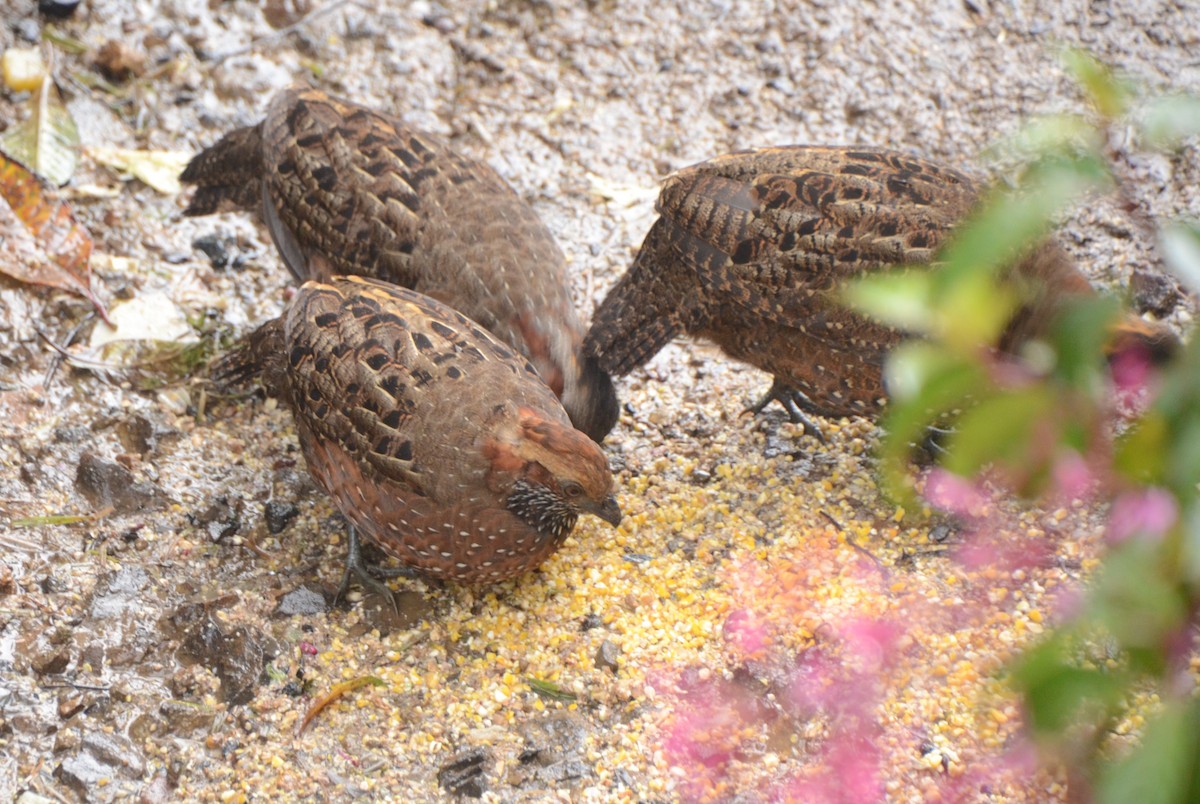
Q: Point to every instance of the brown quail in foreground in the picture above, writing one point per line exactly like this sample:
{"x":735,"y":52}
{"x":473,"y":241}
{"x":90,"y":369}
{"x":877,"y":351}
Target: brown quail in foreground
{"x":749,"y":251}
{"x":345,"y":190}
{"x":436,"y":441}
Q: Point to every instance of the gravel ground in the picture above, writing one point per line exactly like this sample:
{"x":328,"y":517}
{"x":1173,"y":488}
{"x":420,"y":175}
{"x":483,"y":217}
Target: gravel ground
{"x":762,"y":625}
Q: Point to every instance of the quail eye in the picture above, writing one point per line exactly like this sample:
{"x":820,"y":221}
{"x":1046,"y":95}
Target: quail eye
{"x":572,"y":489}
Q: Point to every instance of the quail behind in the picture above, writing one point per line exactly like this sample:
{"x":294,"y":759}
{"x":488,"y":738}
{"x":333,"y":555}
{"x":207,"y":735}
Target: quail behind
{"x":749,"y":251}
{"x":346,"y":190}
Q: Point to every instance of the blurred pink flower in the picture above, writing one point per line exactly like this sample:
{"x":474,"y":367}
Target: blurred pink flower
{"x":1073,"y":477}
{"x":873,"y":642}
{"x":1131,"y":370}
{"x":1132,"y":374}
{"x":1148,"y":513}
{"x":853,"y":764}
{"x":1066,"y":603}
{"x":746,"y":631}
{"x":812,"y":686}
{"x":849,"y":774}
{"x":954,"y":494}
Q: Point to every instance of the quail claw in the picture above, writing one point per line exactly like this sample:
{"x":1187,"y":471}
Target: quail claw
{"x":932,"y":446}
{"x":356,"y":566}
{"x":792,"y":401}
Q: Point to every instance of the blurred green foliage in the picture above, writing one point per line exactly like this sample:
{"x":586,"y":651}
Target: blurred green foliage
{"x":1016,"y":416}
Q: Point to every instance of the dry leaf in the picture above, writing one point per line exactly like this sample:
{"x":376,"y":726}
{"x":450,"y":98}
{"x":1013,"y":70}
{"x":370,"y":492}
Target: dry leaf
{"x":159,"y":169}
{"x":149,"y":316}
{"x":336,"y":692}
{"x":118,"y":61}
{"x":40,"y":242}
{"x":47,"y":142}
{"x":620,"y":194}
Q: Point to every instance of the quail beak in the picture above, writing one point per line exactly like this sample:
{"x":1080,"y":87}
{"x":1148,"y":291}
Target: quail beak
{"x":608,"y":510}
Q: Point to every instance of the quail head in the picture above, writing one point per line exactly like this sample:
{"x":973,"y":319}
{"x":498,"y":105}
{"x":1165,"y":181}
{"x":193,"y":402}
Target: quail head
{"x":436,"y":441}
{"x":347,"y":190}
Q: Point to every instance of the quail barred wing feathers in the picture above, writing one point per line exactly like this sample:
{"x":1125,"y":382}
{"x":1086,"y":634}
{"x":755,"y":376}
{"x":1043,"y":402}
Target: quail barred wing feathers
{"x":386,"y":372}
{"x":346,"y":190}
{"x":228,"y":174}
{"x":437,"y":441}
{"x":774,"y":231}
{"x":757,"y":243}
{"x":795,"y":222}
{"x":344,"y":182}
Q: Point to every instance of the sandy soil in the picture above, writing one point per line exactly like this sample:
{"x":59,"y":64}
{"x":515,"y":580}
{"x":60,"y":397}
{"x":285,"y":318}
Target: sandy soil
{"x":170,"y":649}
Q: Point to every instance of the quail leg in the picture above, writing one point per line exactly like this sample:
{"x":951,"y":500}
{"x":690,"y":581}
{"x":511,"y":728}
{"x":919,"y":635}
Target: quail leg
{"x":794,"y":402}
{"x":366,"y":575}
{"x":932,"y":446}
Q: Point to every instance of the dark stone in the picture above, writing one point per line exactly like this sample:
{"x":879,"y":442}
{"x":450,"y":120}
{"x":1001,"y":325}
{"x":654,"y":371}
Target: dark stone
{"x":590,"y":621}
{"x":608,"y":656}
{"x":28,"y":29}
{"x":50,"y":662}
{"x":303,"y":601}
{"x":1154,"y":292}
{"x":72,"y":435}
{"x":70,"y":705}
{"x":222,"y":250}
{"x":378,"y":613}
{"x":439,"y":19}
{"x":234,"y":655}
{"x":101,"y":757}
{"x":57,"y":9}
{"x":106,"y":483}
{"x":143,"y":435}
{"x":279,"y":515}
{"x":220,"y":520}
{"x":82,"y":773}
{"x":942,"y":532}
{"x":463,"y":775}
{"x":554,"y":751}
{"x":116,"y":751}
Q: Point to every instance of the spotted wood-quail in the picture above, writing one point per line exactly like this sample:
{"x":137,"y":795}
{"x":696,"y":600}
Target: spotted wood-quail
{"x":749,"y":251}
{"x":347,"y":190}
{"x":436,"y":441}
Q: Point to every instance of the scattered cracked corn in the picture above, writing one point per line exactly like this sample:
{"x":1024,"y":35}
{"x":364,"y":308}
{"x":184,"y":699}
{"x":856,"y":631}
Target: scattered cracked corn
{"x":752,"y":537}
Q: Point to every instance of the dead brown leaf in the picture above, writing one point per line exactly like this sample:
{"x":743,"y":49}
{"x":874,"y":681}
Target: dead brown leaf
{"x":118,"y":61}
{"x":337,"y":691}
{"x":40,"y":241}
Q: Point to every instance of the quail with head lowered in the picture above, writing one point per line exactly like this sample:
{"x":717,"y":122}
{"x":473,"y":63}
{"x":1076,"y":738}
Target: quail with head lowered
{"x":750,"y":249}
{"x":436,"y":441}
{"x":346,"y":190}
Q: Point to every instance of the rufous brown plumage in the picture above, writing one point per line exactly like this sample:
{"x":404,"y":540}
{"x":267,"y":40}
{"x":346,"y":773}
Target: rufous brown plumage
{"x":436,"y":441}
{"x":750,"y":250}
{"x":346,"y":190}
